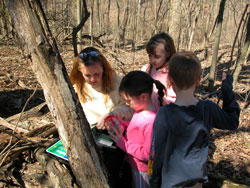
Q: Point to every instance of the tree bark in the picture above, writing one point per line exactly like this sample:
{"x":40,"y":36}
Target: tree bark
{"x":85,"y":16}
{"x":193,"y":24}
{"x":4,"y":24}
{"x":58,"y":174}
{"x":236,"y":36}
{"x":175,"y":16}
{"x":41,"y":51}
{"x":125,"y":22}
{"x":91,"y":27}
{"x":216,"y":46}
{"x":243,"y":54}
{"x":79,"y":17}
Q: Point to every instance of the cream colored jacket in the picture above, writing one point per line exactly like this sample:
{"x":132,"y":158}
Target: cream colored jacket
{"x":95,"y":107}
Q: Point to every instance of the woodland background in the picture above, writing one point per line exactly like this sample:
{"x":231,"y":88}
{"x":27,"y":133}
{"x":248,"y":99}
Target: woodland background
{"x":121,"y":29}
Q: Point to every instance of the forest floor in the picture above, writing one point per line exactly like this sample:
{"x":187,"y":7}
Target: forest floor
{"x":229,"y":154}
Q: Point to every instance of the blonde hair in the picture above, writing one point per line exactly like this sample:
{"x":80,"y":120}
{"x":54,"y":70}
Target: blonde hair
{"x":78,"y":80}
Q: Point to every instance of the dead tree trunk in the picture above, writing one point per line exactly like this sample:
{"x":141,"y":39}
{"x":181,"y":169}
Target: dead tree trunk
{"x":43,"y":55}
{"x":85,"y":14}
{"x":216,"y":46}
{"x":175,"y":18}
{"x":243,"y":54}
{"x":4,"y":24}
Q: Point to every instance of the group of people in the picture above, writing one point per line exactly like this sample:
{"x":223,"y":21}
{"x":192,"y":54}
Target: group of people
{"x":158,"y":125}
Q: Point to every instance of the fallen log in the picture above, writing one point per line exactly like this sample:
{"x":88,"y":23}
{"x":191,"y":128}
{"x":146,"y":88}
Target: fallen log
{"x":34,"y":140}
{"x":13,"y":151}
{"x":59,"y":175}
{"x":17,"y":129}
{"x":29,"y":113}
{"x":40,"y":130}
{"x":51,"y":131}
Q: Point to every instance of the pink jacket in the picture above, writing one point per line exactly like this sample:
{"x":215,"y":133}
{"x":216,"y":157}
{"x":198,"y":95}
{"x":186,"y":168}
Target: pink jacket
{"x":162,"y":76}
{"x":137,"y":140}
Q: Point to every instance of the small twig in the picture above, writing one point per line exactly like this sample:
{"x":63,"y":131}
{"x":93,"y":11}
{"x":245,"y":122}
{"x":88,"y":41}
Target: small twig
{"x":32,"y":139}
{"x":7,"y":153}
{"x":25,"y":105}
{"x":246,"y":98}
{"x":204,"y":79}
{"x":211,"y":93}
{"x":9,"y":144}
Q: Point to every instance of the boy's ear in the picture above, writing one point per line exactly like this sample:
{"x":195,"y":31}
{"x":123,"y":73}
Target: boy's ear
{"x":198,"y":81}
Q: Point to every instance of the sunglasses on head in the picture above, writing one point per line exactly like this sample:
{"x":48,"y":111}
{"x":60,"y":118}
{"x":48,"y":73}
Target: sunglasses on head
{"x":83,"y":55}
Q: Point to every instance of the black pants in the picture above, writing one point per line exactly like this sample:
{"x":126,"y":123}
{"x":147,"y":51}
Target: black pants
{"x":119,"y":172}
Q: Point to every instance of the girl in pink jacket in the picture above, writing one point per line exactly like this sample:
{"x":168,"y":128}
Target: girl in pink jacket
{"x":134,"y":137}
{"x":160,"y":49}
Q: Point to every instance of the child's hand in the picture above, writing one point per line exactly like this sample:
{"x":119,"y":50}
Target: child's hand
{"x":115,"y":133}
{"x":101,"y":123}
{"x":110,"y":121}
{"x":226,"y":89}
{"x":224,"y":76}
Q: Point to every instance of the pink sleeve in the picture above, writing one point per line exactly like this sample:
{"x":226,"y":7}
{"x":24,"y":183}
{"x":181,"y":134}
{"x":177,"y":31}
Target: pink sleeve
{"x":138,"y":151}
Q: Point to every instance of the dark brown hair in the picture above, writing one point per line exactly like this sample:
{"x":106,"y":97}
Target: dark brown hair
{"x":161,"y":38}
{"x":184,"y":69}
{"x":137,"y":82}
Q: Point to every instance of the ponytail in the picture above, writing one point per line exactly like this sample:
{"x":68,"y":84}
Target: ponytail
{"x":161,"y":91}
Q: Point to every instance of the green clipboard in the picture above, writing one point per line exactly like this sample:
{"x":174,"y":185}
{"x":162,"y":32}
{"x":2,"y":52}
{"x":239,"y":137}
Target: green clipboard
{"x":57,"y":149}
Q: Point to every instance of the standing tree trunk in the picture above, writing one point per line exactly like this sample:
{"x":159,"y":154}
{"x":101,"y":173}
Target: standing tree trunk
{"x":116,"y":30}
{"x":237,"y":35}
{"x":85,"y":16}
{"x":193,"y":25}
{"x":175,"y":15}
{"x":156,"y":14}
{"x":91,"y":21}
{"x":43,"y":55}
{"x":125,"y":22}
{"x":216,"y":46}
{"x":243,"y":54}
{"x":108,"y":18}
{"x":79,"y":17}
{"x":4,"y":26}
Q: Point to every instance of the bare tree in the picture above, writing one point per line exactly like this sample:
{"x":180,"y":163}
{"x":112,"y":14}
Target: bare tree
{"x":174,"y":28}
{"x":236,"y":36}
{"x":4,"y":23}
{"x":243,"y":53}
{"x":216,"y":46}
{"x":108,"y":13}
{"x":156,"y":14}
{"x":79,"y":17}
{"x":42,"y":53}
{"x":85,"y":15}
{"x":197,"y":9}
{"x":206,"y":29}
{"x":91,"y":20}
{"x":125,"y":21}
